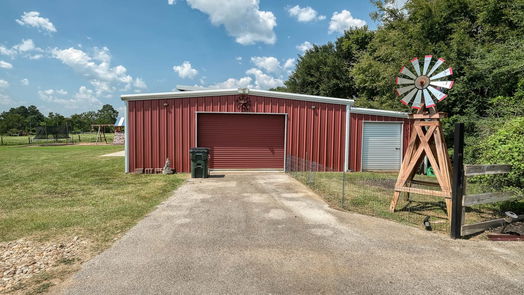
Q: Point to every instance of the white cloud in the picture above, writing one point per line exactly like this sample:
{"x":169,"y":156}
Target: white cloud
{"x":25,"y":47}
{"x":263,"y":80}
{"x":36,"y":56}
{"x":242,"y":19}
{"x":185,"y":70}
{"x":341,"y":21}
{"x":290,"y":63}
{"x":33,"y":19}
{"x":6,"y":51}
{"x":171,"y":2}
{"x":268,"y":63}
{"x":244,"y":82}
{"x":305,"y":46}
{"x":82,"y":98}
{"x":272,"y":65}
{"x":24,"y":82}
{"x":5,"y":99}
{"x":3,"y":84}
{"x":102,"y":87}
{"x":305,"y":14}
{"x":97,"y":69}
{"x":398,"y":4}
{"x":5,"y":65}
{"x":254,"y":78}
{"x":140,"y":84}
{"x":102,"y":54}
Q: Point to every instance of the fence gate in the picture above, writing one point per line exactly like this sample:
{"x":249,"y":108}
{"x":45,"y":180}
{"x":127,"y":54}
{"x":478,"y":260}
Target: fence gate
{"x":460,"y":200}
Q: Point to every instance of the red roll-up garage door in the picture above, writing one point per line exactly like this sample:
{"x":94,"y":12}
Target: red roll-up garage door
{"x":240,"y":141}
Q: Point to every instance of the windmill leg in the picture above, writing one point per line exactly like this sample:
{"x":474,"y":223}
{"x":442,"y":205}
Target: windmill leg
{"x":449,"y":207}
{"x":405,"y":173}
{"x":394,"y":202}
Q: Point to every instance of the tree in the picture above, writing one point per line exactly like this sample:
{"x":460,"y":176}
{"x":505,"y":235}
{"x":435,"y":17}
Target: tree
{"x":20,"y":120}
{"x":34,"y":118}
{"x":82,"y":122}
{"x":55,"y":119}
{"x":506,"y":146}
{"x":325,"y":70}
{"x":106,"y":115}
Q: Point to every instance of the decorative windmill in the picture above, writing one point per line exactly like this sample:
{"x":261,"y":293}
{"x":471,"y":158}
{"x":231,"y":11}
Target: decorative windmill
{"x":423,"y":89}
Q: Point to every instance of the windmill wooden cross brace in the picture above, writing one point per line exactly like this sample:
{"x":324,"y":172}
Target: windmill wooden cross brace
{"x":426,"y":140}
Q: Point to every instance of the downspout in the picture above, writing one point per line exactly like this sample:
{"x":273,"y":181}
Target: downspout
{"x":346,"y":150}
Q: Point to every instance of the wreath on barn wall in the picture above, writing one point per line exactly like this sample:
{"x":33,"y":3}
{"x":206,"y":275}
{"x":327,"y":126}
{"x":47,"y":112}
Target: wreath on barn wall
{"x":243,"y":103}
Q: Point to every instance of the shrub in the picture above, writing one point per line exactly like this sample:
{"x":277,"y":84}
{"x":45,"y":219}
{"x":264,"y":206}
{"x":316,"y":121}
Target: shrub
{"x":505,"y":146}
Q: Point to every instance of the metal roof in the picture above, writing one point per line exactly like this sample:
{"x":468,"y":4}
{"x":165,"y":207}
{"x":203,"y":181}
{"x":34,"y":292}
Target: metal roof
{"x":120,"y":122}
{"x":234,"y":91}
{"x":376,"y":112}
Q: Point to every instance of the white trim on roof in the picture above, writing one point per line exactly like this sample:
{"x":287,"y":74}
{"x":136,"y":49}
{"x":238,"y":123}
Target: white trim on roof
{"x":219,"y":92}
{"x":384,"y":113}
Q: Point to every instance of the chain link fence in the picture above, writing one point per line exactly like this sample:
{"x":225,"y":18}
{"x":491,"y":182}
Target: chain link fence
{"x":370,"y":193}
{"x":87,"y":137}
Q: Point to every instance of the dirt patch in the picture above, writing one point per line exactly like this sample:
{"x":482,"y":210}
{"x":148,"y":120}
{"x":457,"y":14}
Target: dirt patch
{"x":30,"y":265}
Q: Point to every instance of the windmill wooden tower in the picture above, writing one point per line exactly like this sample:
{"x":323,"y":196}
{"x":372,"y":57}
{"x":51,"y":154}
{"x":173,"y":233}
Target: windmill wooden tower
{"x":426,"y":139}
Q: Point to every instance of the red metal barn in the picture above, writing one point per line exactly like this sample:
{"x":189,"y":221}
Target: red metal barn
{"x":257,"y":129}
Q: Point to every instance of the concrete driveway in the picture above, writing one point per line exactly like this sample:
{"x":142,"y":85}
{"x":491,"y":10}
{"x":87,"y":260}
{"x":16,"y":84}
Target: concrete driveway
{"x":265,"y":233}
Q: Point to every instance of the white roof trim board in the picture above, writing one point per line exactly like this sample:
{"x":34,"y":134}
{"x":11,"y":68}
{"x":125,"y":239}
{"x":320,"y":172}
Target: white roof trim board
{"x":384,"y":113}
{"x":219,"y":92}
{"x":276,"y":94}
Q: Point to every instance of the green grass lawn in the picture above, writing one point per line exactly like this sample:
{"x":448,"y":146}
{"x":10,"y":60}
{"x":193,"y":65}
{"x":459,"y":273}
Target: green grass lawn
{"x":371,"y":193}
{"x":56,"y":190}
{"x":52,"y":193}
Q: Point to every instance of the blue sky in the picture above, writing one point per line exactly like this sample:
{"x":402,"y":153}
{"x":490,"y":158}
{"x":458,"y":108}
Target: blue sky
{"x":72,"y":56}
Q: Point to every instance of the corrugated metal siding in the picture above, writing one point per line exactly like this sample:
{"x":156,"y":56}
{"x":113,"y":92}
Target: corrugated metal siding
{"x":315,"y":130}
{"x":355,"y":137}
{"x":381,"y":144}
{"x":242,"y":141}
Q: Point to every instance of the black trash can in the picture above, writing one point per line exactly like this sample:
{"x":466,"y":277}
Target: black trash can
{"x":199,"y":162}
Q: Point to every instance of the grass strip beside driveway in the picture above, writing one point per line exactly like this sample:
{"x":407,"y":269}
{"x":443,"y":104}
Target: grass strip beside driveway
{"x":69,"y":190}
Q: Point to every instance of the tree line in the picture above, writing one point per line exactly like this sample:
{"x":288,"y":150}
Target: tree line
{"x":24,"y":120}
{"x":483,"y":40}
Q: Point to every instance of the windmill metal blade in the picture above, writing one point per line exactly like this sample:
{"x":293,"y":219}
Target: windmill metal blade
{"x":408,"y":97}
{"x":443,"y":84}
{"x":443,"y":74}
{"x":436,"y":65}
{"x":427,"y":61}
{"x":400,"y":81}
{"x":418,"y":99}
{"x":403,"y":90}
{"x":407,"y":72}
{"x":439,"y":95}
{"x":427,"y":99}
{"x":415,"y":64}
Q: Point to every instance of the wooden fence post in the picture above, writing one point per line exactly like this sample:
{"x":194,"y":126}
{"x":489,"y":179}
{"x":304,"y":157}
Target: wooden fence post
{"x":458,"y":181}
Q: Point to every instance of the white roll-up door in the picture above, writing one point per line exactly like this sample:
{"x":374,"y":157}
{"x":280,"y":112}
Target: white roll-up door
{"x":381,"y":146}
